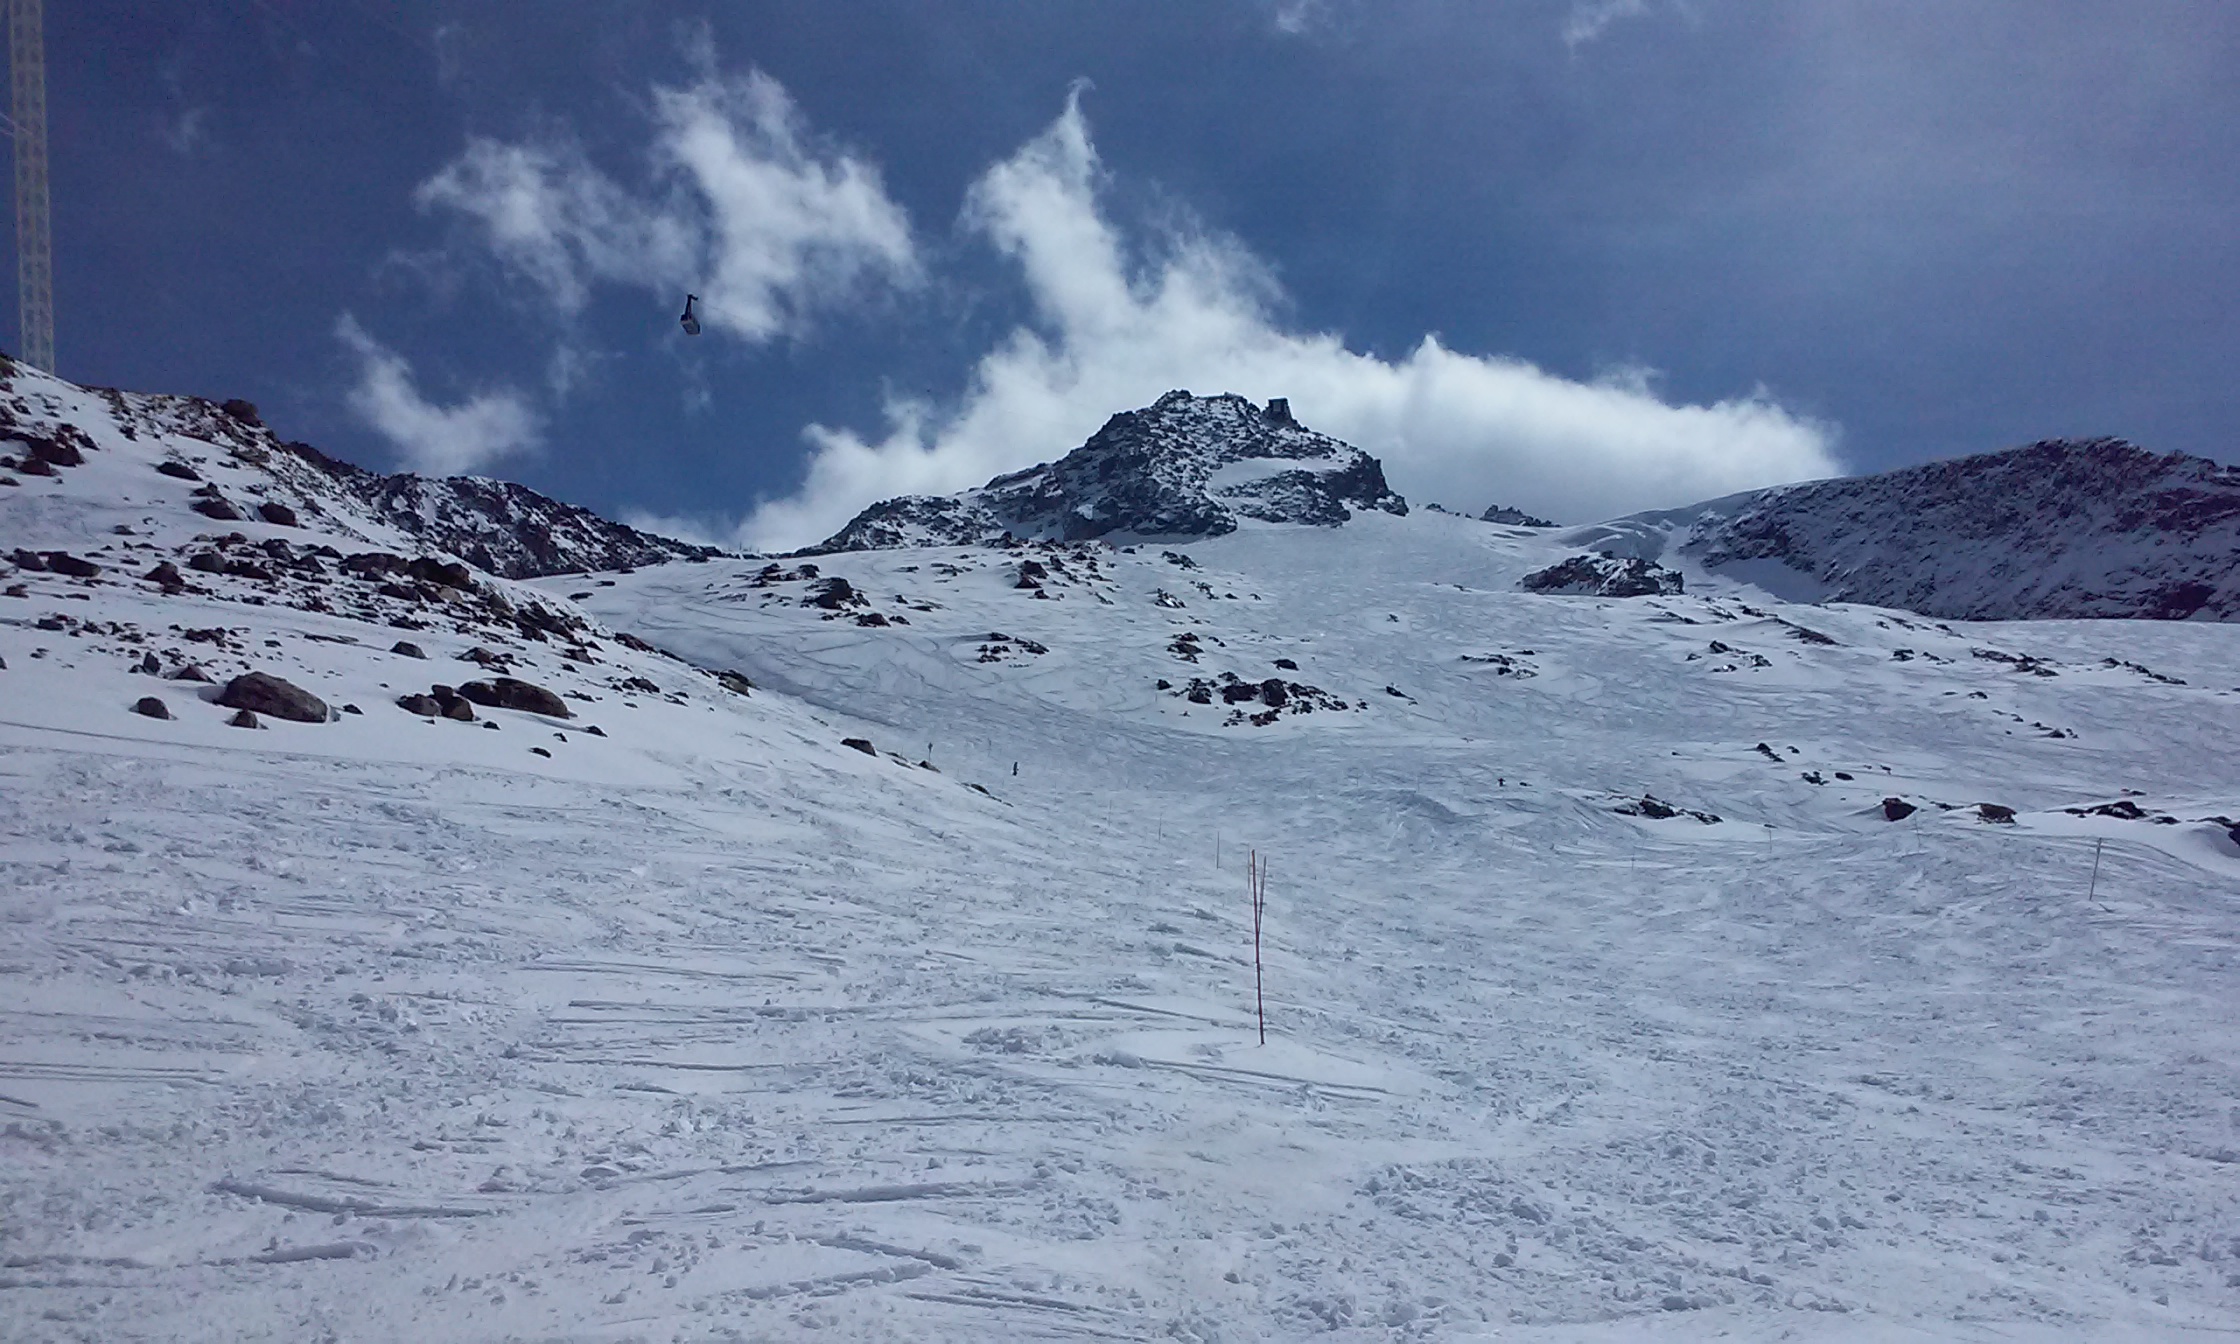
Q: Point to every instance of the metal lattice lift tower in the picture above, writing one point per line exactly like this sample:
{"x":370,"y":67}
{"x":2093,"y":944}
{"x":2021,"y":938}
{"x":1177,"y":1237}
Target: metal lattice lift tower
{"x":27,"y":66}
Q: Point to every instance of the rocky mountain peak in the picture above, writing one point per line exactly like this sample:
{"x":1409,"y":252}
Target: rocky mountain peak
{"x":1184,"y":466}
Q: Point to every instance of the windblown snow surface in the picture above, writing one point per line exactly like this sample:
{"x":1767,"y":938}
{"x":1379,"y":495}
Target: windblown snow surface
{"x":714,"y":1028}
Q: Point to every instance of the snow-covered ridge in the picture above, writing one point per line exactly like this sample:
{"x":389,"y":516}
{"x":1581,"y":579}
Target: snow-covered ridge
{"x":496,"y":526}
{"x":2054,"y":530}
{"x":1185,"y":466}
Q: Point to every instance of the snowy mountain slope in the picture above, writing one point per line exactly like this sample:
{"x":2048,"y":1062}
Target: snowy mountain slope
{"x":713,"y":1026}
{"x":1648,"y":1054}
{"x":2055,"y":530}
{"x":1184,"y":466}
{"x":496,"y":526}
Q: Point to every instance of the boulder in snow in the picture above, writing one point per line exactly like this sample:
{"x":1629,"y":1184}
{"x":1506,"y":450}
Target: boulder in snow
{"x":267,"y":694}
{"x":1603,"y":575}
{"x":512,"y":693}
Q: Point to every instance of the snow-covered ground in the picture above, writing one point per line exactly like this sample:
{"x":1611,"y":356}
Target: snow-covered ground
{"x":713,"y":1027}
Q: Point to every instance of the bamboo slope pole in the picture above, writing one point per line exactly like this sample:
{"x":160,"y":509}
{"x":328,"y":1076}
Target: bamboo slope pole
{"x":1256,"y":881}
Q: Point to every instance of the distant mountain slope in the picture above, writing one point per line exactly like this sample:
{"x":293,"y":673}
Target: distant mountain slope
{"x":1183,"y":466}
{"x":2054,"y":530}
{"x":497,"y":526}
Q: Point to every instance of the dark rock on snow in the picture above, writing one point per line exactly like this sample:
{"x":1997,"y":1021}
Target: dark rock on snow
{"x":860,"y":744}
{"x":407,"y":648}
{"x":1603,"y":575}
{"x":442,"y":573}
{"x":153,"y":707}
{"x":834,"y":594}
{"x":1897,"y":809}
{"x":1656,"y":809}
{"x":511,"y":693}
{"x":271,"y":695}
{"x":451,"y":705}
{"x":62,"y":562}
{"x":246,"y":718}
{"x":2123,"y":809}
{"x":60,"y":451}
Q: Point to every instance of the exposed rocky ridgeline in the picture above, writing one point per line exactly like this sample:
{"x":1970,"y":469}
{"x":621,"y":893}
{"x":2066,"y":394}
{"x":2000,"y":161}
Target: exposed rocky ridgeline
{"x":2055,"y":530}
{"x":1499,"y":513}
{"x":1184,"y":466}
{"x":507,"y":529}
{"x":1603,"y":575}
{"x":208,"y":553}
{"x":241,"y":471}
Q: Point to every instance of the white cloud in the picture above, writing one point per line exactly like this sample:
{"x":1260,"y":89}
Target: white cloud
{"x":677,"y":526}
{"x":1115,"y":331}
{"x":1589,"y":19}
{"x":558,"y":222}
{"x":187,"y":132}
{"x":744,"y":210}
{"x":788,"y":231}
{"x":433,"y":440}
{"x":1296,"y":18}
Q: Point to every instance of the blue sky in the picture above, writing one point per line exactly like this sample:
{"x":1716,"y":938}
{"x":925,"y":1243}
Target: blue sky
{"x":1581,"y":256}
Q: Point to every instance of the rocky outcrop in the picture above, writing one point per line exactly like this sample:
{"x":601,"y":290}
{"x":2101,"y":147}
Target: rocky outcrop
{"x":1603,"y":575}
{"x":1183,"y":466}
